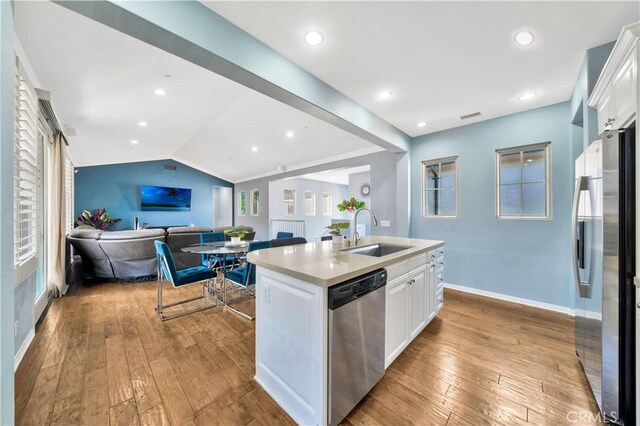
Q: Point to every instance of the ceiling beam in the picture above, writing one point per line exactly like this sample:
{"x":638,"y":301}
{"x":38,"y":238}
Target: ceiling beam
{"x":190,"y":30}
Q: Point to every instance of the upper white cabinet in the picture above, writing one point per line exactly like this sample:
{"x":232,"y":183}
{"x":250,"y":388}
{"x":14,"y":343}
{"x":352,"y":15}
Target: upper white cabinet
{"x":615,"y":95}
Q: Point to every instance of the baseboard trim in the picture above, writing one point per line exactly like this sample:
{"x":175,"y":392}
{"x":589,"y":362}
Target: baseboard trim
{"x":17,"y":359}
{"x":514,"y":299}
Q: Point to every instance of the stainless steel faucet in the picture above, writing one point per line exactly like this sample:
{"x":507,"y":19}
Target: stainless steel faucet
{"x":374,"y":222}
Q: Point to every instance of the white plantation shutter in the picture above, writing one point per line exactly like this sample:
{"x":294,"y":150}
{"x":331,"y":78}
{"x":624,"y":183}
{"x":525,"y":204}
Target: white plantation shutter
{"x":25,"y":168}
{"x":69,"y":194}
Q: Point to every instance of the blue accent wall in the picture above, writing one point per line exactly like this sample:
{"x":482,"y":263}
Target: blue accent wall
{"x":117,"y":188}
{"x":529,"y":259}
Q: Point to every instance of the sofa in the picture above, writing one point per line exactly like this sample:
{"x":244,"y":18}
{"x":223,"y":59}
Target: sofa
{"x":131,"y":255}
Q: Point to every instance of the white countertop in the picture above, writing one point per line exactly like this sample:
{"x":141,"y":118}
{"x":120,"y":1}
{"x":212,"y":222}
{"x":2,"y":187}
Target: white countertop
{"x":324,"y":264}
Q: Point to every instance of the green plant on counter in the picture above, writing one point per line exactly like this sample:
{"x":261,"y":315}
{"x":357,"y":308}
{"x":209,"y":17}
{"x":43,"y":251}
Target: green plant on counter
{"x":335,"y":228}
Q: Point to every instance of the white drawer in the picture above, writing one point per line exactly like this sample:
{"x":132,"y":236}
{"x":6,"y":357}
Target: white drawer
{"x":440,"y":253}
{"x":440,"y":299}
{"x":418,"y":261}
{"x":398,"y":269}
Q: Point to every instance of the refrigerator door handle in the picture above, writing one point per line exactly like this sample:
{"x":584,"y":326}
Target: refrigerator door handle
{"x":582,"y":184}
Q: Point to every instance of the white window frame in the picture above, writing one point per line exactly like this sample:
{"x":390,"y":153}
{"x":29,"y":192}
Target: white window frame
{"x":254,"y":208}
{"x":311,"y":212}
{"x":547,"y":181}
{"x":439,"y":161}
{"x":287,"y":202}
{"x":25,"y":175}
{"x":326,"y":202}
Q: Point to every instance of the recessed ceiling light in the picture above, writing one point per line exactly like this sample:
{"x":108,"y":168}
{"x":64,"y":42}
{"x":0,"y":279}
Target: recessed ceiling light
{"x":421,"y":124}
{"x":527,"y":96}
{"x":290,"y":134}
{"x":313,"y":38}
{"x":142,"y":124}
{"x":384,"y":95}
{"x":524,"y":37}
{"x":254,"y":148}
{"x":134,"y":142}
{"x":160,"y":92}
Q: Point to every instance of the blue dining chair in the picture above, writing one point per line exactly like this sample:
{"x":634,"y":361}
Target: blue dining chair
{"x":244,"y":277}
{"x":281,"y":234}
{"x":211,"y":237}
{"x":178,"y":278}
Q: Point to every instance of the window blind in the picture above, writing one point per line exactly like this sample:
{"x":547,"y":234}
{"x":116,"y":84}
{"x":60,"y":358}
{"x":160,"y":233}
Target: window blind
{"x":25,"y":168}
{"x":69,"y":193}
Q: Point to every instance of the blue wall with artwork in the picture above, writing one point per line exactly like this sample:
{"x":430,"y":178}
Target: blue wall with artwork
{"x":117,"y":187}
{"x":529,"y":259}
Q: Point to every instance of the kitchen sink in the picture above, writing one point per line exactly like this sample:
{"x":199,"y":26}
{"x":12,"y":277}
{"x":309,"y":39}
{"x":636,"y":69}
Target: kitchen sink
{"x":376,"y":250}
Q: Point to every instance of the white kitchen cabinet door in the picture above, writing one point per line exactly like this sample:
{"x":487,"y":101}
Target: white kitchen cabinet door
{"x":624,"y":94}
{"x":420,"y":299}
{"x":396,"y":318}
{"x":605,"y":111}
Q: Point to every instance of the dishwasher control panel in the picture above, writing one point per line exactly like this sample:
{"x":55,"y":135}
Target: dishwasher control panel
{"x":343,"y":293}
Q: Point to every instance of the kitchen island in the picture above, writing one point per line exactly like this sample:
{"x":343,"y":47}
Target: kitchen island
{"x":292,"y":311}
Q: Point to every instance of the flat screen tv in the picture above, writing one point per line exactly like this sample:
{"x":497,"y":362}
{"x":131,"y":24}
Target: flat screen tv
{"x":160,"y":198}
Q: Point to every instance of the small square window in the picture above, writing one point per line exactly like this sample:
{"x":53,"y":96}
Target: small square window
{"x":326,"y":204}
{"x":289,"y":202}
{"x":309,"y":203}
{"x":440,"y":187}
{"x":523,"y":182}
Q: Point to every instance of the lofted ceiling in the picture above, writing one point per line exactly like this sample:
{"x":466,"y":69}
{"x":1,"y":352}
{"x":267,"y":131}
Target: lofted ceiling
{"x":440,"y":60}
{"x":103,"y":82}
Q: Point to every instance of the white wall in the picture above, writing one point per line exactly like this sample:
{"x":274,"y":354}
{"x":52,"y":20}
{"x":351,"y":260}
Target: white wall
{"x":314,"y":225}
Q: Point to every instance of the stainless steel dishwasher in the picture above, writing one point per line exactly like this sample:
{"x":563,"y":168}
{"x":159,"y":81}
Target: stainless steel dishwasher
{"x":356,"y":341}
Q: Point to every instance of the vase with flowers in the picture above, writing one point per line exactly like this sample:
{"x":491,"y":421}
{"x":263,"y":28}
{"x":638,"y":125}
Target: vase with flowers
{"x":98,"y":218}
{"x":351,"y":205}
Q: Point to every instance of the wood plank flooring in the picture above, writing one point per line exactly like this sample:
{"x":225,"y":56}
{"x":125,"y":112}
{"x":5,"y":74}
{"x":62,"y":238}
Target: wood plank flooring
{"x":102,"y":357}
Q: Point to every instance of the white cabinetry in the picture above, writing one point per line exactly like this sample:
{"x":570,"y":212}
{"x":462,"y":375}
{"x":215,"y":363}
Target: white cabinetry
{"x":615,"y":94}
{"x":413,"y":298}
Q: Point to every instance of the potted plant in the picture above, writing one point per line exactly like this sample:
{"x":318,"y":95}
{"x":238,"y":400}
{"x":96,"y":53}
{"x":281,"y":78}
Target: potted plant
{"x":99,"y":219}
{"x":236,"y":235}
{"x":334,"y":231}
{"x":351,"y":205}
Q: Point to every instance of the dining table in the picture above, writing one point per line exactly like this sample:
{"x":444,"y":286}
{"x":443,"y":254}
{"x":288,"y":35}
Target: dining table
{"x":222,"y":251}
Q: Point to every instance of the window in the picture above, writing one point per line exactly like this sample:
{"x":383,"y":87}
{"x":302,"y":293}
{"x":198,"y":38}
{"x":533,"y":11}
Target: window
{"x":326,"y":204}
{"x":309,"y":203}
{"x":242,"y":203}
{"x":289,"y":202}
{"x":523,"y":182}
{"x":255,"y":202}
{"x":25,"y":169}
{"x":439,"y":183}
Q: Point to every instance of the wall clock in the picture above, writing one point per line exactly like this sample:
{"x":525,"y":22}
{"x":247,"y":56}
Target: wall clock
{"x":365,"y":189}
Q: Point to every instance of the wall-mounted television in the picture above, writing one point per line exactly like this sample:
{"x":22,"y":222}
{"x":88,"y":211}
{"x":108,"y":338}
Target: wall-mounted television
{"x":161,"y":198}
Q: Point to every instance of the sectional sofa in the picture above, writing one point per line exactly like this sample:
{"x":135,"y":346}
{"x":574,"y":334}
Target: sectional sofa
{"x":131,"y":255}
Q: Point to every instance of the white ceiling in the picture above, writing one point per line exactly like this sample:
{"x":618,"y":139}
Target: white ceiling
{"x":441,"y":60}
{"x":102,"y":83}
{"x":340,"y":176}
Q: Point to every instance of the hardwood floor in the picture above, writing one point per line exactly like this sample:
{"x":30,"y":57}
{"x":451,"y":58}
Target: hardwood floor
{"x":101,"y":356}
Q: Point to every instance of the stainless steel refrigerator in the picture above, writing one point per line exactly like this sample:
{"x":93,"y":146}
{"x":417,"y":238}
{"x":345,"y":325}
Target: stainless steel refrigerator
{"x":604,"y":266}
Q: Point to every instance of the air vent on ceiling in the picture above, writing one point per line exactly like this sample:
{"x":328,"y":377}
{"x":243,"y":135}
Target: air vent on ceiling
{"x":170,"y":167}
{"x":466,"y":117}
